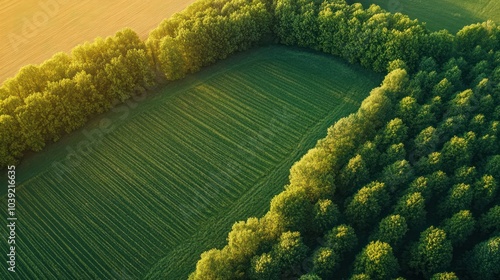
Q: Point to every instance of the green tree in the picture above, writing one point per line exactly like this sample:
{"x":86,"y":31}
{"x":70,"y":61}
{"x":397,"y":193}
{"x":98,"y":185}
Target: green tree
{"x":264,"y":267}
{"x":310,"y":276}
{"x":444,"y":276}
{"x":465,"y":174}
{"x":342,"y":239}
{"x":214,"y":264}
{"x":244,"y":240}
{"x":325,"y":261}
{"x":412,"y":208}
{"x":459,"y":198}
{"x":171,"y":59}
{"x":326,"y":215}
{"x":370,"y":155}
{"x":377,"y":261}
{"x":438,"y":182}
{"x":366,"y":205}
{"x":490,"y":220}
{"x":493,"y":166}
{"x":444,"y":89}
{"x":425,"y":142}
{"x":8,"y":131}
{"x":290,"y":249}
{"x":421,"y":185}
{"x":312,"y":175}
{"x":432,"y":253}
{"x":485,"y":191}
{"x":391,"y":230}
{"x":407,"y":110}
{"x":395,"y":152}
{"x":293,"y":208}
{"x":394,"y":132}
{"x":431,"y":163}
{"x":360,"y":276}
{"x":456,"y":152}
{"x":353,"y":175}
{"x":482,"y":263}
{"x":459,"y":227}
{"x":397,"y":174}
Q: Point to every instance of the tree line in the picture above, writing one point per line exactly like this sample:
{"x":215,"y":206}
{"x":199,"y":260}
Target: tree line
{"x":44,"y":102}
{"x":407,"y":187}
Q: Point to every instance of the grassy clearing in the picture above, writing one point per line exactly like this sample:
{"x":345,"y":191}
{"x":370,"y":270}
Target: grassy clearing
{"x":64,"y":24}
{"x":177,"y":170}
{"x":442,"y":14}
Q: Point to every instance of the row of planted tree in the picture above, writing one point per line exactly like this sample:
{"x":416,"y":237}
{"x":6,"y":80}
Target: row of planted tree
{"x":44,"y":102}
{"x":405,"y":188}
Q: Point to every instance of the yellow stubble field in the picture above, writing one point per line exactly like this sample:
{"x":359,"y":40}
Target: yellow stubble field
{"x":31,"y":31}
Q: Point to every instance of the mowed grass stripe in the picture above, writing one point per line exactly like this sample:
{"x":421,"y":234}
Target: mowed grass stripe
{"x":142,"y":199}
{"x":49,"y":227}
{"x":180,"y":162}
{"x":74,"y":223}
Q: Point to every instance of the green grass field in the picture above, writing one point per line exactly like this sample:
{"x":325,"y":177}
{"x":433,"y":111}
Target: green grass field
{"x":442,"y":14}
{"x":174,"y":171}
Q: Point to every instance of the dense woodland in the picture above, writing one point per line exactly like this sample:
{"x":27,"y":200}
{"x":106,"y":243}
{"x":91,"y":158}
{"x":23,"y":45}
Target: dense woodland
{"x":406,"y":187}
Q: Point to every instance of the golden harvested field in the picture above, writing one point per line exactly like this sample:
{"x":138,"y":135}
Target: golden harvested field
{"x":31,"y":31}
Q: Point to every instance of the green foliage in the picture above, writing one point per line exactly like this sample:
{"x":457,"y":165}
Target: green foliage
{"x":459,"y":198}
{"x":310,"y":276}
{"x":326,"y":215}
{"x":391,"y":230}
{"x":58,"y":96}
{"x":485,"y":191}
{"x":325,"y":261}
{"x":432,"y":253}
{"x":394,"y":132}
{"x":263,"y":267}
{"x":290,"y":249}
{"x":484,"y":259}
{"x":353,"y":175}
{"x":366,"y":205}
{"x":493,"y":166}
{"x":459,"y":227}
{"x":456,"y":152}
{"x":213,"y":265}
{"x":412,"y":208}
{"x":397,"y":174}
{"x":311,"y":175}
{"x":361,"y":276}
{"x":342,"y":239}
{"x":244,"y":239}
{"x":444,"y":276}
{"x":377,"y":261}
{"x":294,"y":210}
{"x":425,"y":142}
{"x":490,"y":221}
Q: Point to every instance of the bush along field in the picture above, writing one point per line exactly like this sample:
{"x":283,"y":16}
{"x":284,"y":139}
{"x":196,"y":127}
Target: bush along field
{"x":405,"y":187}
